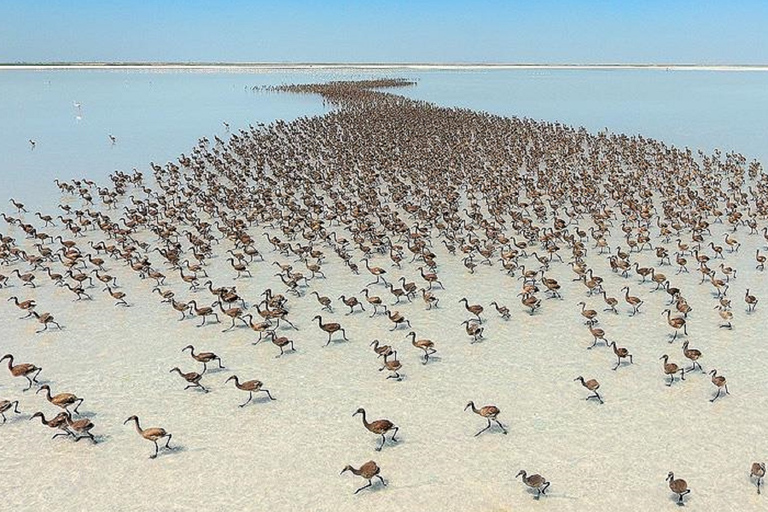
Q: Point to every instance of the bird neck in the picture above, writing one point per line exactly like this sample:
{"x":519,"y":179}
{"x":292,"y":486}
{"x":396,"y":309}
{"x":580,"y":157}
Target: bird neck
{"x":138,"y":427}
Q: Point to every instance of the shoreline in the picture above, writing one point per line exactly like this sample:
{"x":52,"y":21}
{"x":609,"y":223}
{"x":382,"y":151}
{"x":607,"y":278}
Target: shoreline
{"x":374,"y":66}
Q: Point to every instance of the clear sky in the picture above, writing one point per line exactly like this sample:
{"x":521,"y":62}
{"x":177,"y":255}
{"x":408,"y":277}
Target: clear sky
{"x":542,"y":31}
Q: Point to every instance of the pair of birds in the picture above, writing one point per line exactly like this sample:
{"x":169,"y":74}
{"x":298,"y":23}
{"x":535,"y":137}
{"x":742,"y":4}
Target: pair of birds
{"x":371,"y":470}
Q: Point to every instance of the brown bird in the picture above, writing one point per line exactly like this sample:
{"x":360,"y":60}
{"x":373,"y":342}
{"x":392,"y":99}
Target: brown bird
{"x":393,"y":366}
{"x":621,"y":353}
{"x":281,"y":342}
{"x":330,"y":328}
{"x":203,"y":357}
{"x":26,"y":305}
{"x":397,"y":319}
{"x":58,"y":422}
{"x":671,"y":369}
{"x":428,"y":346}
{"x":192,"y":377}
{"x":490,"y":413}
{"x":6,"y":405}
{"x":45,"y":319}
{"x":22,"y":370}
{"x":369,"y":470}
{"x":676,"y":324}
{"x":475,"y":309}
{"x":678,"y":486}
{"x":633,"y":301}
{"x":79,"y":429}
{"x":694,"y":355}
{"x":373,"y":301}
{"x":751,"y":301}
{"x":151,"y":434}
{"x":251,"y":386}
{"x":503,"y":311}
{"x":324,"y":301}
{"x":380,"y":427}
{"x":351,"y":302}
{"x":589,"y":314}
{"x":383,"y":350}
{"x":377,"y":272}
{"x":534,"y":481}
{"x":204,"y":312}
{"x":757,"y":471}
{"x":719,"y":381}
{"x":591,"y":385}
{"x":63,"y":400}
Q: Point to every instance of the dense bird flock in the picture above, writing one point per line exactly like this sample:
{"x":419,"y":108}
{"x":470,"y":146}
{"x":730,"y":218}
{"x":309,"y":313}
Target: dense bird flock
{"x":397,"y":194}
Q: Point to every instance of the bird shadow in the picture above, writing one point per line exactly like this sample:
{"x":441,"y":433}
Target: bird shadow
{"x":15,"y":418}
{"x":173,"y":450}
{"x":260,"y":399}
{"x":432,"y":359}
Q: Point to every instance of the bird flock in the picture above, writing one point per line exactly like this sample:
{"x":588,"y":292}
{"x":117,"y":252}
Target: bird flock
{"x":388,"y":190}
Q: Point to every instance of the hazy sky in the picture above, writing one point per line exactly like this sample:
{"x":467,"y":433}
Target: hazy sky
{"x":574,"y":31}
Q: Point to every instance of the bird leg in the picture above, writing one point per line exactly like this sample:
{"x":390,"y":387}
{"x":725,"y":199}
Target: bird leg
{"x":30,"y":384}
{"x":486,"y":428}
{"x":218,"y":359}
{"x":268,"y":394}
{"x":716,"y":396}
{"x":250,"y":395}
{"x":383,"y":441}
{"x":156,"y":450}
{"x":167,"y":443}
{"x":344,"y":333}
{"x":364,"y":487}
{"x":543,"y":489}
{"x":79,"y":403}
{"x":501,"y":426}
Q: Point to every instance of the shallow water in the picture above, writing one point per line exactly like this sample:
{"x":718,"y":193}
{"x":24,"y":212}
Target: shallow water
{"x":287,"y":454}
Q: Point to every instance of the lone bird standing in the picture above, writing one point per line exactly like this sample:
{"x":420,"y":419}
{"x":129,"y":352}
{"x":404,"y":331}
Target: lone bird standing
{"x":678,"y":486}
{"x":534,"y":481}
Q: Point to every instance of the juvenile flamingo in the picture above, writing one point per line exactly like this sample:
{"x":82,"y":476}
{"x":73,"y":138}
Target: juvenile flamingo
{"x":380,"y":427}
{"x":428,"y":346}
{"x":63,"y":400}
{"x":678,"y":486}
{"x":251,"y":386}
{"x":151,"y":434}
{"x":22,"y":370}
{"x":720,"y":382}
{"x":535,"y":481}
{"x":757,"y":471}
{"x":490,"y":413}
{"x":369,"y":470}
{"x":5,"y":405}
{"x":192,"y":377}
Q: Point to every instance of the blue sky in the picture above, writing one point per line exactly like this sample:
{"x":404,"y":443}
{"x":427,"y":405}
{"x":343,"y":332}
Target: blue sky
{"x":568,"y":31}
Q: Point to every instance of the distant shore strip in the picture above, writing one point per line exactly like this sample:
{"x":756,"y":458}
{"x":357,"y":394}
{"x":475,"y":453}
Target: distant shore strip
{"x":370,"y":66}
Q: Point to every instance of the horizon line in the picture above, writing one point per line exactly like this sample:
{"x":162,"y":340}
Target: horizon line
{"x":369,"y":65}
